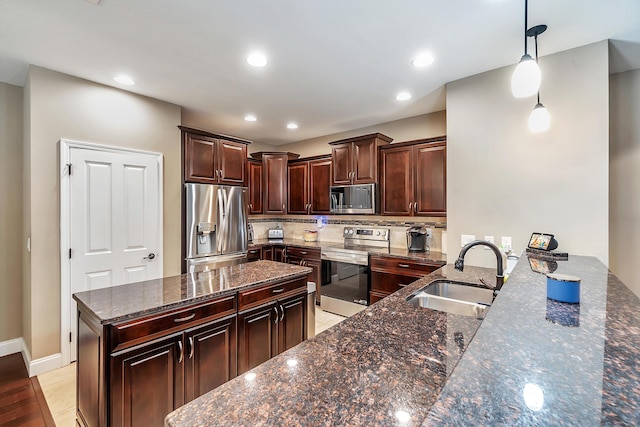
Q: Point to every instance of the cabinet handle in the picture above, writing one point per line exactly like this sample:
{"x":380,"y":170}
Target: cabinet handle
{"x":402,"y":285}
{"x":415,"y":207}
{"x":403,"y":265}
{"x":410,"y":205}
{"x":255,"y":251}
{"x":184,"y":319}
{"x":276,"y":310}
{"x":301,"y":262}
{"x":180,"y":351}
{"x":278,"y":291}
{"x":250,"y":206}
{"x":303,"y":253}
{"x":191,"y":345}
{"x":220,"y":172}
{"x":282,"y":311}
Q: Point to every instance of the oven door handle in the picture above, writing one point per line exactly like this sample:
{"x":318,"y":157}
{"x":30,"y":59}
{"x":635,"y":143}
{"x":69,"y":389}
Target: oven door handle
{"x":357,"y":259}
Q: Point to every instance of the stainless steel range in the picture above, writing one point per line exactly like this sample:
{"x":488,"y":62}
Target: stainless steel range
{"x":345,"y":269}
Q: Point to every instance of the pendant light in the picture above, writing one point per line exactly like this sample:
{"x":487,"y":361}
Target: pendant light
{"x":526,"y":78}
{"x":539,"y":119}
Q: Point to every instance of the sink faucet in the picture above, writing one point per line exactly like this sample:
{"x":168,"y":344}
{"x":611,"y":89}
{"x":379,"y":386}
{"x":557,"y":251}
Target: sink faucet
{"x":459,"y":264}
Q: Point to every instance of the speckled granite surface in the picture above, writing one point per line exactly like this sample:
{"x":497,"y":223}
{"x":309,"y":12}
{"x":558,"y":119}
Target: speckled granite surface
{"x":136,"y":299}
{"x":536,"y":362}
{"x":395,"y":364}
{"x":434,"y":257}
{"x":390,"y":359}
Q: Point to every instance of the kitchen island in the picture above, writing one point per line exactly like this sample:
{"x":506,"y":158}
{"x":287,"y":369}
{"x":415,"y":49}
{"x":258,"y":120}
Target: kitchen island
{"x":146,"y":348}
{"x":529,"y":362}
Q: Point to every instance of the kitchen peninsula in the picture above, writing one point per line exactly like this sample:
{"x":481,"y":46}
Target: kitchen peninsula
{"x":146,"y":348}
{"x":529,"y":362}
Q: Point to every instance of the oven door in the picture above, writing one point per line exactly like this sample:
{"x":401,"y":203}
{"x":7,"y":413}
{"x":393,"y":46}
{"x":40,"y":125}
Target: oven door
{"x":344,"y":287}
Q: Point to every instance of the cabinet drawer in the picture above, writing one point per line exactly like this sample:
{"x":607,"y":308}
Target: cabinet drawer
{"x":305,"y":253}
{"x":264,"y":294}
{"x":389,"y":282}
{"x":402,"y":266}
{"x":253,"y":254}
{"x":131,"y":332}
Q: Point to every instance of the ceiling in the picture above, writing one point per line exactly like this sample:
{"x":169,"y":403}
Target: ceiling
{"x":333,"y":65}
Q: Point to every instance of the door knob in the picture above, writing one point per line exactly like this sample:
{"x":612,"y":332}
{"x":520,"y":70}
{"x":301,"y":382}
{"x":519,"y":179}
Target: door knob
{"x":150,"y":256}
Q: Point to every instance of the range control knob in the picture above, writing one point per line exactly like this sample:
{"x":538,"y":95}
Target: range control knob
{"x":350,"y":231}
{"x":377,"y":233}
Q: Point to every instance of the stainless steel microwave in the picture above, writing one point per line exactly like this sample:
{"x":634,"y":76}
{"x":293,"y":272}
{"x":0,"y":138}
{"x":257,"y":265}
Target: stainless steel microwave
{"x":354,"y":199}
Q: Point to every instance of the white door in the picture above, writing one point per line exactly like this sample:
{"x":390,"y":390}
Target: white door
{"x":115,"y":218}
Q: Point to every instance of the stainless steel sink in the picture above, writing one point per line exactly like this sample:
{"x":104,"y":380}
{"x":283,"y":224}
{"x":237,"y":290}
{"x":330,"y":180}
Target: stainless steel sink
{"x":453,"y":297}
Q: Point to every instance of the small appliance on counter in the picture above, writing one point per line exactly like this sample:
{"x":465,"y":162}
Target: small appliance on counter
{"x":275,"y":233}
{"x":418,"y":238}
{"x":250,"y":232}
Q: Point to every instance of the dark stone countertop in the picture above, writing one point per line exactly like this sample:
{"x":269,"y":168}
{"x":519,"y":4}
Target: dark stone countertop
{"x":391,"y":357}
{"x":430,"y":257}
{"x":123,"y":302}
{"x":395,"y":364}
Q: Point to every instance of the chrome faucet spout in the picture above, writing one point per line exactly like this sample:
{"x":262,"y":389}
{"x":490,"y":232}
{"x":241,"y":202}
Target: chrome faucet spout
{"x":459,"y":264}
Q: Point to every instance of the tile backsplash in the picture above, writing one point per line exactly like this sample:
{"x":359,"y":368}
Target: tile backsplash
{"x":331,"y":231}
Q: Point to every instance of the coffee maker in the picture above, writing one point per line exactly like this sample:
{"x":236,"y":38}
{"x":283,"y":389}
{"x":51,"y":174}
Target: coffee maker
{"x":418,"y":238}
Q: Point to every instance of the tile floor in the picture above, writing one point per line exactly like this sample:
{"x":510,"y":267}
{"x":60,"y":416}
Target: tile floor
{"x":59,"y":386}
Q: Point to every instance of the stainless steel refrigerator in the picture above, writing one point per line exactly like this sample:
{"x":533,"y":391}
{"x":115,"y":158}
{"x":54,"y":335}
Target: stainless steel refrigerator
{"x":216,"y":226}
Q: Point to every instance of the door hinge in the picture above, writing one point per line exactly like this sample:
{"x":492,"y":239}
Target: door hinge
{"x":70,"y":337}
{"x":69,"y":253}
{"x":69,"y":168}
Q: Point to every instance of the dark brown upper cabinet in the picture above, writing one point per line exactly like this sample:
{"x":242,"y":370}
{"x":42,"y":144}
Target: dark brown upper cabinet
{"x":210,"y":158}
{"x":254,"y":168}
{"x":274,"y":180}
{"x":413,"y":177}
{"x":309,"y":182}
{"x":355,"y":160}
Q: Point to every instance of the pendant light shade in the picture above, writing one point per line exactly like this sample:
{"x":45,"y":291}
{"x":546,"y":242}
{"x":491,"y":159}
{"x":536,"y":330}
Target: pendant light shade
{"x":539,"y":119}
{"x":526,"y":78}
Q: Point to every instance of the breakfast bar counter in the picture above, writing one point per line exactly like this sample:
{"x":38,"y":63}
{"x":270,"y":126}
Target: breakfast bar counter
{"x":531,"y":361}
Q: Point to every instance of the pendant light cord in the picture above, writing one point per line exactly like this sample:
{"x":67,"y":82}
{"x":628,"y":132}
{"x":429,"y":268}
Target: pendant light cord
{"x":526,"y":9}
{"x":536,"y":43}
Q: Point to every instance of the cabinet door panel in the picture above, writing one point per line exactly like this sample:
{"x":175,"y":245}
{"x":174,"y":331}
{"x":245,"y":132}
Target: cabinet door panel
{"x":275,"y":183}
{"x":293,"y":324}
{"x":256,"y":337}
{"x":267,"y":253}
{"x":279,"y":254}
{"x":200,"y":159}
{"x":319,"y":185}
{"x":210,"y":358}
{"x":232,"y":160}
{"x":431,"y":179}
{"x":396,"y":182}
{"x":255,"y":187}
{"x":342,"y":164}
{"x":388,"y":282}
{"x":147,"y":383}
{"x":364,"y":158}
{"x":298,"y":187}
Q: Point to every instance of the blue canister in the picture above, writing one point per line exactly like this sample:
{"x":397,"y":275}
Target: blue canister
{"x":563,"y":287}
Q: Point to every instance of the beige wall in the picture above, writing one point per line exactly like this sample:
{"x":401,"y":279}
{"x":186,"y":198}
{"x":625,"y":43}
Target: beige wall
{"x":624,"y":176}
{"x":62,"y":106}
{"x":26,"y":214}
{"x":11,"y":207}
{"x":418,"y":127}
{"x":505,"y":181}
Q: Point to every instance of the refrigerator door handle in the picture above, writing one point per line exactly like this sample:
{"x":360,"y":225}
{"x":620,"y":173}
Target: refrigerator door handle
{"x":221,"y":235}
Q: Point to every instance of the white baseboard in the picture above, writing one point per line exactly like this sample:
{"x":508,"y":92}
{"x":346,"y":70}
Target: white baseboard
{"x":42,"y":365}
{"x":11,"y":346}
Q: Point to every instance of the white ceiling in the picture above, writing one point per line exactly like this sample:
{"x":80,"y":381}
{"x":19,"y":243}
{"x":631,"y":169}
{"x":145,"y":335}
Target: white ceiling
{"x":334,"y":65}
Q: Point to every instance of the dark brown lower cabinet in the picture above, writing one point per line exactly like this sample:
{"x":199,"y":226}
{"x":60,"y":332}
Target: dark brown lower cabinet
{"x":389,"y":274}
{"x":270,"y":329}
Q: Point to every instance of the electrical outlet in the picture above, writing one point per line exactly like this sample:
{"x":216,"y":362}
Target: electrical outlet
{"x":466,"y":238}
{"x":489,"y":239}
{"x":506,"y":243}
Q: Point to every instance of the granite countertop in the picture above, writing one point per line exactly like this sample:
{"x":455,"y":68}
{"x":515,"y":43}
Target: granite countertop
{"x":123,"y":302}
{"x":428,"y":256}
{"x":531,"y":361}
{"x":391,"y":357}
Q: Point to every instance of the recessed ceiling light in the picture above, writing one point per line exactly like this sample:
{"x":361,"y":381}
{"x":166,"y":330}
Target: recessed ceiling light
{"x":422,"y":60}
{"x":403,"y":96}
{"x":257,"y":59}
{"x":292,"y":125}
{"x":124,"y":80}
{"x":250,"y":118}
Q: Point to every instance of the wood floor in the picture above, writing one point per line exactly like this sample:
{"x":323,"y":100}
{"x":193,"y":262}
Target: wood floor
{"x":21,"y":400}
